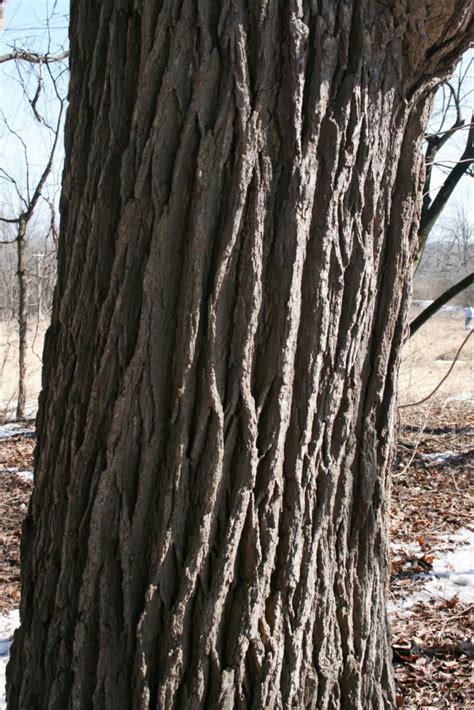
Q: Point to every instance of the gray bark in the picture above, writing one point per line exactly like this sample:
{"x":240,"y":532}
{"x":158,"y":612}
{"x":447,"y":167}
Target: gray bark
{"x":239,"y":212}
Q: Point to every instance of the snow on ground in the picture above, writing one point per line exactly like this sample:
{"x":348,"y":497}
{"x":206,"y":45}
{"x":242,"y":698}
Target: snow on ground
{"x":438,"y":458}
{"x":466,"y":398}
{"x":452,"y":575}
{"x":26,"y":475}
{"x":6,"y":432}
{"x":8,"y":409}
{"x":447,"y":458}
{"x":8,"y":624}
{"x":419,"y":303}
{"x":15,"y":429}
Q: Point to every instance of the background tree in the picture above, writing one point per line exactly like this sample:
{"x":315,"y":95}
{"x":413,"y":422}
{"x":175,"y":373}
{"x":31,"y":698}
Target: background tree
{"x":450,"y":123}
{"x":448,"y":261}
{"x":448,"y":255}
{"x":239,"y":216}
{"x":28,"y":203}
{"x":41,"y":78}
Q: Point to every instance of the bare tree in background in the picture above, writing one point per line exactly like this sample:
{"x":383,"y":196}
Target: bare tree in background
{"x":446,"y":125}
{"x":450,"y":123}
{"x":239,"y":211}
{"x":30,"y":189}
{"x":451,"y":250}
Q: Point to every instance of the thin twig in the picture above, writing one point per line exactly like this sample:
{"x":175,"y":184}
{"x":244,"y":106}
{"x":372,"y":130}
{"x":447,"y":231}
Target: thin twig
{"x":454,"y":129}
{"x":425,"y":399}
{"x":454,"y":162}
{"x":417,"y":443}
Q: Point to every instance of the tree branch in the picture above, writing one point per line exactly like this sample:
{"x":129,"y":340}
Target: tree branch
{"x":432,"y":210}
{"x":39,"y":187}
{"x":425,"y":399}
{"x":453,"y":129}
{"x":9,"y":178}
{"x":440,"y":302}
{"x":33,"y":57}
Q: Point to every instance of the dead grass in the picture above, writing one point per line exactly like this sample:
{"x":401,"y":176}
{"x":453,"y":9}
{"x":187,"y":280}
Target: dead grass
{"x":427,"y":357}
{"x":9,"y":364}
{"x":432,"y":662}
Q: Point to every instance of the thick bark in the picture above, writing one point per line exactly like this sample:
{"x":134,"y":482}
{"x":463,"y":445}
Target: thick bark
{"x":239,"y":212}
{"x":22,"y":317}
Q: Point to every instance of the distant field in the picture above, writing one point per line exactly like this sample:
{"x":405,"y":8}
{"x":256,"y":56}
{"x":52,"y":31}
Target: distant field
{"x":428,"y":355}
{"x":426,"y":358}
{"x":9,"y":365}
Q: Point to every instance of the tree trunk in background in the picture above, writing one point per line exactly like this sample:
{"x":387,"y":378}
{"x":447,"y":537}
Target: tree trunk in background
{"x":240,"y":207}
{"x":22,"y":317}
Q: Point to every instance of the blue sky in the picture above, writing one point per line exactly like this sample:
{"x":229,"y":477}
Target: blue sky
{"x":39,"y":26}
{"x":27,"y":25}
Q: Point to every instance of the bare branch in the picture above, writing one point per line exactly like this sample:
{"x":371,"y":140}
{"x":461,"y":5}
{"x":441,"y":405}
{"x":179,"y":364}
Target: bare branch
{"x":47,"y":169}
{"x":37,"y":94}
{"x":12,"y":180}
{"x":52,"y":224}
{"x":425,"y":399}
{"x":440,"y":302}
{"x":453,"y":162}
{"x":33,"y":57}
{"x":25,"y":151}
{"x":432,"y":209}
{"x":453,"y":129}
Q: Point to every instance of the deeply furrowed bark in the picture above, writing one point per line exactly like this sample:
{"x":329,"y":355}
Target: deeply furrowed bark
{"x":239,"y":213}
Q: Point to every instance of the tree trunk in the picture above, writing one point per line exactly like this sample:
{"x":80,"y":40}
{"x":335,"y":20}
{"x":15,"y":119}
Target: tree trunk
{"x":22,"y":317}
{"x":239,"y":212}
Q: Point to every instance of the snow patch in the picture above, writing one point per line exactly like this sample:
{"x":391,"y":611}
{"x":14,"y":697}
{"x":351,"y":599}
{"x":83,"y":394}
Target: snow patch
{"x":8,"y":624}
{"x":26,"y":475}
{"x":466,"y":397}
{"x":438,"y":458}
{"x":419,"y":303}
{"x":14,"y":429}
{"x":8,"y":409}
{"x":452,"y":575}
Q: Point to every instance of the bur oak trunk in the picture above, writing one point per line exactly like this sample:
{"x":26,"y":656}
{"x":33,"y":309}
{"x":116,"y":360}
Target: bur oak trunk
{"x":239,"y":214}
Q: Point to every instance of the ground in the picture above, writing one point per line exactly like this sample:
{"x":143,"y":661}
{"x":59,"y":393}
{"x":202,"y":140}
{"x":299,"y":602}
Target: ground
{"x":16,"y":454}
{"x":430,"y":496}
{"x":431,"y":601}
{"x":9,"y":365}
{"x":431,"y":515}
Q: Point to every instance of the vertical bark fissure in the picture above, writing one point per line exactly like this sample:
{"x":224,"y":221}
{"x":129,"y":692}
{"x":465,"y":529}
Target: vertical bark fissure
{"x":207,"y":527}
